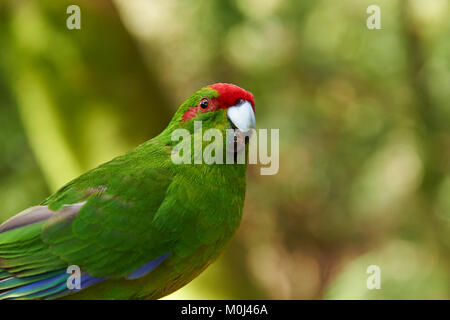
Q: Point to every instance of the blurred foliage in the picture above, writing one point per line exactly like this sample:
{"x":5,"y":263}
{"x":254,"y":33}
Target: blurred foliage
{"x":363,"y":116}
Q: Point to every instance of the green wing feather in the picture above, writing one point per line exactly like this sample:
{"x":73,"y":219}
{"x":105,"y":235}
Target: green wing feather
{"x":111,"y":235}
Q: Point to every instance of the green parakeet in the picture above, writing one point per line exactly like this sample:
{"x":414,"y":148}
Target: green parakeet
{"x":139,"y":226}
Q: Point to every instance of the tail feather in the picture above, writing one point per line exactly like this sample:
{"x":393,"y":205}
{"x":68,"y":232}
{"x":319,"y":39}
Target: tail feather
{"x":4,"y":274}
{"x":34,"y":287}
{"x":49,"y":285}
{"x":50,"y":293}
{"x":13,"y":282}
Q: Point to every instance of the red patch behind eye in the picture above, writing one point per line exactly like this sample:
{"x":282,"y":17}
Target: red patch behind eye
{"x":229,"y":95}
{"x":189,"y":114}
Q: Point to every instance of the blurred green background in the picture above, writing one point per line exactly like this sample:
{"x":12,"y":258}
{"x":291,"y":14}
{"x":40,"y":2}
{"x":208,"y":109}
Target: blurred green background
{"x":364,"y":119}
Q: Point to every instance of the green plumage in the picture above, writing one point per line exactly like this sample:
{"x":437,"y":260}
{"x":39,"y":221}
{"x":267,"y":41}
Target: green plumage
{"x":129,"y":211}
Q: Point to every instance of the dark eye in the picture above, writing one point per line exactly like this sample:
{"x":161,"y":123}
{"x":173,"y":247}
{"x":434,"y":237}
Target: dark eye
{"x":204,"y":104}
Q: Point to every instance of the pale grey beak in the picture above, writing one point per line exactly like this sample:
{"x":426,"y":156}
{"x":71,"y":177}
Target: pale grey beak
{"x":242,"y":116}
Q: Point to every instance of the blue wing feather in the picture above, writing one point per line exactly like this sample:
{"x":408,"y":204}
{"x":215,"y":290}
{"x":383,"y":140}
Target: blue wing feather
{"x":146,"y":268}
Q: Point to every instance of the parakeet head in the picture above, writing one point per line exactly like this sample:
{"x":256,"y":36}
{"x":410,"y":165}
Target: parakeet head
{"x":221,"y":106}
